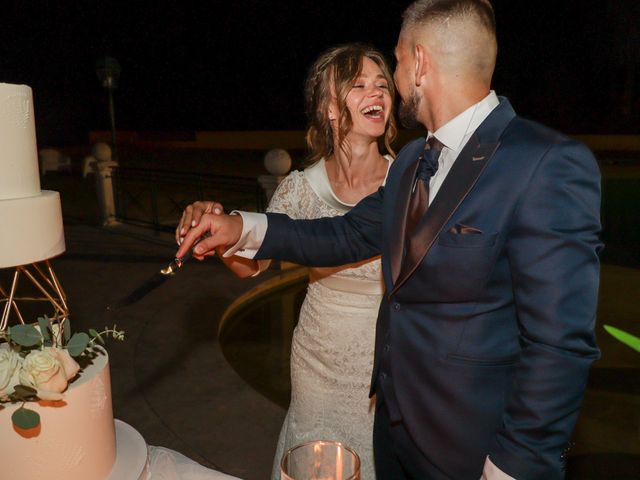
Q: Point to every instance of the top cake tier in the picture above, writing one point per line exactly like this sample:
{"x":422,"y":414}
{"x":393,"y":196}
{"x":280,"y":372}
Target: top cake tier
{"x":19,"y":174}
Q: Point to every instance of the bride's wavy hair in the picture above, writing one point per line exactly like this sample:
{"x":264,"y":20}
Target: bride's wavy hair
{"x":339,"y":66}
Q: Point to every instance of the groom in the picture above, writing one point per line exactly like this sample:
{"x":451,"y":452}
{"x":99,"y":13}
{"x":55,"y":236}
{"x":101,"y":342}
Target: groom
{"x":489,"y":238}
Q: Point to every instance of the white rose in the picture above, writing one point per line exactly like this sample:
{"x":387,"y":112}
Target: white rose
{"x":71,"y":367}
{"x":10,"y":363}
{"x":48,"y":370}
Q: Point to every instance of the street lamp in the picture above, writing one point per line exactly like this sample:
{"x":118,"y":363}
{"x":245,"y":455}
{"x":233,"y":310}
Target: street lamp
{"x":108,"y":71}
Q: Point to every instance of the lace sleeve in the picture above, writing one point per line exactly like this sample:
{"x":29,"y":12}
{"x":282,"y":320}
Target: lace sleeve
{"x":288,"y":196}
{"x":286,"y":199}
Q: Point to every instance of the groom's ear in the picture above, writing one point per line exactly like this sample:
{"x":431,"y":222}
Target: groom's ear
{"x":422,"y":60}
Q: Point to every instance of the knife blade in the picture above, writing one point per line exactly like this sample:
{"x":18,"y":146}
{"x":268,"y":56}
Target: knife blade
{"x":155,"y":280}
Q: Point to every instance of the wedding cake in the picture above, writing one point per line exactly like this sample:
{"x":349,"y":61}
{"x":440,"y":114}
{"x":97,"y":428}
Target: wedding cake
{"x":30,"y":218}
{"x":76,"y":438}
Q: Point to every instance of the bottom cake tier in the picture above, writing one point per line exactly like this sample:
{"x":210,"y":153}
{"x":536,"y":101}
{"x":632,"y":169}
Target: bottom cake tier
{"x":76,"y":437}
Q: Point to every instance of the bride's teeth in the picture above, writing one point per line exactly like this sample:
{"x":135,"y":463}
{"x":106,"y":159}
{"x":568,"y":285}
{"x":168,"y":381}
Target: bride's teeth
{"x":372,"y":108}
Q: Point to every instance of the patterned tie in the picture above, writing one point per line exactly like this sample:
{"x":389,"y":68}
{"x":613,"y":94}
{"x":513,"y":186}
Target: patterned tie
{"x":420,"y":195}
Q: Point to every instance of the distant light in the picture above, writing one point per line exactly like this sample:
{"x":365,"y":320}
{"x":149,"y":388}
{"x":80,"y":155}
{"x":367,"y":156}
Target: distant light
{"x":108,"y":71}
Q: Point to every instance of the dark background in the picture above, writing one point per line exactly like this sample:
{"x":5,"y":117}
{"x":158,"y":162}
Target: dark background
{"x":240,"y":65}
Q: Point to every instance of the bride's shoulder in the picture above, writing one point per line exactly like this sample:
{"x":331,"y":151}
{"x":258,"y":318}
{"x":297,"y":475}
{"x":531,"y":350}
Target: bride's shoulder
{"x":291,"y":184}
{"x":293,"y":178}
{"x":291,"y":195}
{"x":294,"y":175}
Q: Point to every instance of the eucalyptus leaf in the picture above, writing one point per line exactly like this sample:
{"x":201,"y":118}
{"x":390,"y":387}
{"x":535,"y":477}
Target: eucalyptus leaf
{"x":24,"y":392}
{"x":66,"y":327}
{"x":96,"y":336}
{"x":25,"y":418}
{"x":78,"y":343}
{"x":25,"y":335}
{"x":44,"y":327}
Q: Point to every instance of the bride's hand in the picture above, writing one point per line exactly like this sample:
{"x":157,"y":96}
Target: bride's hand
{"x":192,"y":214}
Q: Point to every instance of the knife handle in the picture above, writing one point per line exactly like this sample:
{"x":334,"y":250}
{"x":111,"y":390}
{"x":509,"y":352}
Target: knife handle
{"x":178,"y":262}
{"x":187,"y":256}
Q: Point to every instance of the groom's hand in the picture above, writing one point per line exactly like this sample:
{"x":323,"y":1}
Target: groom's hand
{"x":192,"y":214}
{"x":225,"y":231}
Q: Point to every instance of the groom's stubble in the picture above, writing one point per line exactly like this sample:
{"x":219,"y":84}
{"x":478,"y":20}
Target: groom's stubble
{"x":408,"y":111}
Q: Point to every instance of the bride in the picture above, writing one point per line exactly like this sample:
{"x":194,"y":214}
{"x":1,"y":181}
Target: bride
{"x":349,"y":98}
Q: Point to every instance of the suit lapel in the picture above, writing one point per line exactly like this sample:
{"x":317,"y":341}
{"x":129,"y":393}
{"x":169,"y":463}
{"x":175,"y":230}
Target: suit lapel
{"x":461,"y":178}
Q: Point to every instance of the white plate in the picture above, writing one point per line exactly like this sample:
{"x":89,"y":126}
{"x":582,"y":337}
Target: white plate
{"x":131,"y":454}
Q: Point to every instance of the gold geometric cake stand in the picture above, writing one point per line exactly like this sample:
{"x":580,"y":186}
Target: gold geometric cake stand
{"x":47,"y":287}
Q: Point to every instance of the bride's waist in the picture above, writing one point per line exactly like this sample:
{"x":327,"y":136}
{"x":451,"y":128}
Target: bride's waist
{"x":341,"y":283}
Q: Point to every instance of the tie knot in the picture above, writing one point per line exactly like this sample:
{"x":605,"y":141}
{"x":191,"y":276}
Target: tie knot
{"x":429,"y":159}
{"x":433,"y":144}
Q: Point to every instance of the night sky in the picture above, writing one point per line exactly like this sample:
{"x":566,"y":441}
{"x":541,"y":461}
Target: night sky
{"x":240,"y":65}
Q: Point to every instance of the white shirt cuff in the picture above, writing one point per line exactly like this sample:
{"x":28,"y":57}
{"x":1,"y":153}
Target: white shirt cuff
{"x":254,"y":229}
{"x":491,"y":472}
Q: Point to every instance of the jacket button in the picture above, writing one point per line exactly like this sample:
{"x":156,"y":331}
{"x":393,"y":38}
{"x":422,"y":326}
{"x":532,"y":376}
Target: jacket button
{"x":396,"y":306}
{"x":387,"y":347}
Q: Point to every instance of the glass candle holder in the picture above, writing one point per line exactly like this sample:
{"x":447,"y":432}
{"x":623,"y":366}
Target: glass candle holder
{"x":320,"y":460}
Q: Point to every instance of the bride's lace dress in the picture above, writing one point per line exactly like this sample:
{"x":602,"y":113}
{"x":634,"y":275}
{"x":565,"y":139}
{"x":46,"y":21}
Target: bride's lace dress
{"x":333,"y":343}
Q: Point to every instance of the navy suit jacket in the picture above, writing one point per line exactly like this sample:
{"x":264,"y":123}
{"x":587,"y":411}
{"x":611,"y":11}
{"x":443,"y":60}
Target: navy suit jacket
{"x":490,"y":311}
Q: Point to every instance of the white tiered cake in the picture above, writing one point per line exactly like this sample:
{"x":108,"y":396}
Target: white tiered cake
{"x":76,"y":438}
{"x":30,"y":218}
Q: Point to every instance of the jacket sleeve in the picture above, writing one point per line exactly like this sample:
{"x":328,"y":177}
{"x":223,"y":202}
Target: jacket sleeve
{"x":326,"y":242}
{"x":552,"y":248}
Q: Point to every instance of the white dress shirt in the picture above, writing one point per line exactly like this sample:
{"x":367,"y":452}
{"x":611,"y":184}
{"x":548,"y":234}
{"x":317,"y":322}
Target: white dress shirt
{"x":453,"y":135}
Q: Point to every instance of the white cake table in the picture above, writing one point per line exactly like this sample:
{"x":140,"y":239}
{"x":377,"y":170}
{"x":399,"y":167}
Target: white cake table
{"x":137,"y":461}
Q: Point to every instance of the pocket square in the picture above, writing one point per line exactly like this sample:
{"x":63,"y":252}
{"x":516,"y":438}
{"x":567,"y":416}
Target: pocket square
{"x":460,"y":229}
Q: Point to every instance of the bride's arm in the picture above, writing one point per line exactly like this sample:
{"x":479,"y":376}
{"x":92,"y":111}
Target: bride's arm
{"x":243,"y":267}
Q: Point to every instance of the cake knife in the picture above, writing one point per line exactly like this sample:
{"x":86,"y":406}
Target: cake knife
{"x":155,"y":280}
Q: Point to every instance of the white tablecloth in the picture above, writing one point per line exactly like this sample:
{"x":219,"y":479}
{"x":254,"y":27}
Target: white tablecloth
{"x":166,"y":464}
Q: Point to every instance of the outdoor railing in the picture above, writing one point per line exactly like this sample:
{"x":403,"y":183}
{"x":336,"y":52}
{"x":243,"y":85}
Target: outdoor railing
{"x":157,"y":198}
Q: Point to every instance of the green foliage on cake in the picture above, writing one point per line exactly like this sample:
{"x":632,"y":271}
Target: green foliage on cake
{"x":37,"y":362}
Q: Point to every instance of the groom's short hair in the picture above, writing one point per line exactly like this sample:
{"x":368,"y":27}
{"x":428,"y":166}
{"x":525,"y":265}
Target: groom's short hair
{"x":461,"y":34}
{"x":422,"y":12}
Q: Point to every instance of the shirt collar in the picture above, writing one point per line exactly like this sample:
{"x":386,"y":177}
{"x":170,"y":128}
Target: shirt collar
{"x":455,"y":131}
